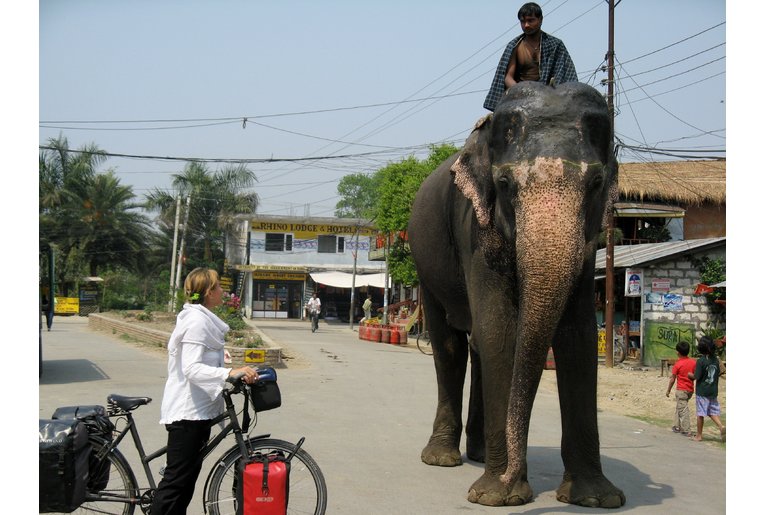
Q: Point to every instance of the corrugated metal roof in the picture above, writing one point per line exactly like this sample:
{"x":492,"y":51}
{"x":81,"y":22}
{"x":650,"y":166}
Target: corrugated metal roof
{"x":646,"y":253}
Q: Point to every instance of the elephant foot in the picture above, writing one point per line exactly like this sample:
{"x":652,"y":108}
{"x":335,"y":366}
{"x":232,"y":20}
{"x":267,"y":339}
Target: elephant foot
{"x":596,"y":492}
{"x":441,"y":455}
{"x":489,"y":490}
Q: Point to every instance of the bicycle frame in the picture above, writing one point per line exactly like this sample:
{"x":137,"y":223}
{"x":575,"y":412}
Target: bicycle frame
{"x":232,"y":426}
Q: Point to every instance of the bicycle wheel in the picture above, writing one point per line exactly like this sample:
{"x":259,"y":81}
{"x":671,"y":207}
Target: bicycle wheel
{"x":620,"y":353}
{"x":120,"y":489}
{"x":423,"y":343}
{"x":307,"y":488}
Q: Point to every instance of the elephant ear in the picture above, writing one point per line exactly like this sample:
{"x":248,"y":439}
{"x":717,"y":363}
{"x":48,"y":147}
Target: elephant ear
{"x":472,"y":171}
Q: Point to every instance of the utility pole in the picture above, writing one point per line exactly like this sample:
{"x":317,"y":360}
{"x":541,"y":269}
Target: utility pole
{"x":385,"y":298}
{"x":171,"y":301}
{"x":353,"y":280}
{"x":609,"y":312}
{"x":180,"y":251}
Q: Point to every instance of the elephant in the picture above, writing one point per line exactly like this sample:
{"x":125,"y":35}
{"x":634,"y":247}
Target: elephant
{"x":503,"y":235}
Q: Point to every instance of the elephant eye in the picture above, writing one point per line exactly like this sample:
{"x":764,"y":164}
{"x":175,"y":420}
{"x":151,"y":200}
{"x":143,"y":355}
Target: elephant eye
{"x":596,"y":181}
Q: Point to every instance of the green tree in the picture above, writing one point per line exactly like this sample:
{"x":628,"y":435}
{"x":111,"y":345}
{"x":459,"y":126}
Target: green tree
{"x":399,"y":183}
{"x":216,"y":197}
{"x":358,"y":194}
{"x":88,"y":217}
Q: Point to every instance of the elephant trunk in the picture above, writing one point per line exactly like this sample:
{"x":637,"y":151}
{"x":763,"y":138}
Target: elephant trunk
{"x":550,"y":252}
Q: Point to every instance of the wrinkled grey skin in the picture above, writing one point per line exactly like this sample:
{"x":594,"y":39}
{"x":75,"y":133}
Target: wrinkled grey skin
{"x":504,"y":236}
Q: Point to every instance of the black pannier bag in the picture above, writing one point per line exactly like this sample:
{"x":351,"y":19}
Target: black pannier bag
{"x":64,"y":453}
{"x":98,"y":424}
{"x":265,"y":394}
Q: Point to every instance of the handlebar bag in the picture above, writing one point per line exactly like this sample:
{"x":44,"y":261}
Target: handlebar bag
{"x":64,"y":452}
{"x":262,"y":486}
{"x":265,"y":394}
{"x":98,"y":424}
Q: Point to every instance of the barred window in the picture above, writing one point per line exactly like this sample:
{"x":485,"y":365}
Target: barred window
{"x":278,"y":242}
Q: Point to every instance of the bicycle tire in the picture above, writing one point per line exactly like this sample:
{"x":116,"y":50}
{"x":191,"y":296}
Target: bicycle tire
{"x":620,"y":352}
{"x":307,"y":488}
{"x":425,"y":346}
{"x":121,"y":492}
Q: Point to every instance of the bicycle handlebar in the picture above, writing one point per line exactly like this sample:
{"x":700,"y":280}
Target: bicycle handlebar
{"x":264,"y":374}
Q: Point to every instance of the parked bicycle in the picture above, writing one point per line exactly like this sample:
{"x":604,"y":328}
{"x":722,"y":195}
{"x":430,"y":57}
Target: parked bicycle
{"x":420,"y":332}
{"x":121,"y":494}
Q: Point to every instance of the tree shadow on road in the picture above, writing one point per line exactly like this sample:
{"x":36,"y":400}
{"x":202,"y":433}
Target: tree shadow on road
{"x":65,"y":371}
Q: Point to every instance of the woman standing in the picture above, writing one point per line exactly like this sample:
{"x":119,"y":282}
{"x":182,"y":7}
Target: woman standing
{"x":195,"y":380}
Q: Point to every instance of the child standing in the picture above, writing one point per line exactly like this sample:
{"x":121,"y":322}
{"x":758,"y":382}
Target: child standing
{"x":707,"y":375}
{"x":680,"y":371}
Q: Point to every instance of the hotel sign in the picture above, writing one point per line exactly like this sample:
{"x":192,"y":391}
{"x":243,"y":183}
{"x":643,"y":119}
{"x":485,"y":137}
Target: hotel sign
{"x":310,"y":230}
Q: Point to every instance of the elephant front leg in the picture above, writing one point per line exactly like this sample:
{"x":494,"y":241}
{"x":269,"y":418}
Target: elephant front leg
{"x":450,"y":354}
{"x":496,"y":368}
{"x":583,"y":482}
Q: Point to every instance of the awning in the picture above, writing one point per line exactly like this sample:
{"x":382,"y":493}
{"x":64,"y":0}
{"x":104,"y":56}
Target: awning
{"x":344,"y":279}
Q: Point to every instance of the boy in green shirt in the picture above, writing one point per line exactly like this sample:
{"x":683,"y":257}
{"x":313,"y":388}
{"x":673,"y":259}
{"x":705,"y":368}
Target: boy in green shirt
{"x":707,"y":375}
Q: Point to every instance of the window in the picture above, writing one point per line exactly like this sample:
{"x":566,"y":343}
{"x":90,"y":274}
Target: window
{"x":331,"y":244}
{"x":278,"y":242}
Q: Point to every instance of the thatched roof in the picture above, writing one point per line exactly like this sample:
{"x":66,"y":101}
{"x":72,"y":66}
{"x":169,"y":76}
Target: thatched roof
{"x":684,"y":182}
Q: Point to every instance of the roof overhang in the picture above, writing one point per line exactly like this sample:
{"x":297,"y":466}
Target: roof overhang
{"x":644,"y":210}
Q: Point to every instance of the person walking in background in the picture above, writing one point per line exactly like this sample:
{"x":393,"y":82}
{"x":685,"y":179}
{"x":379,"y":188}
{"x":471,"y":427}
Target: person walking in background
{"x":367,"y":307}
{"x":707,"y":376}
{"x":192,"y":397}
{"x":532,"y":56}
{"x":680,"y":370}
{"x":314,"y":308}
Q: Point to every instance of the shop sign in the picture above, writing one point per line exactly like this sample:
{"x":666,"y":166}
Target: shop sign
{"x":601,"y":342}
{"x":66,"y":306}
{"x":633,"y":286}
{"x":301,"y":230}
{"x":660,"y":285}
{"x":277,"y":276}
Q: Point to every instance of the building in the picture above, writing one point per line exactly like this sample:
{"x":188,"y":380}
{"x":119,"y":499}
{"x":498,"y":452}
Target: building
{"x":275,"y":263}
{"x":671,"y":215}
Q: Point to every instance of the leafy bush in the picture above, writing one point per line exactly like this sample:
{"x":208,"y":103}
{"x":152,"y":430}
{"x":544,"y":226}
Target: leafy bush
{"x":230,"y":313}
{"x":241,"y":338}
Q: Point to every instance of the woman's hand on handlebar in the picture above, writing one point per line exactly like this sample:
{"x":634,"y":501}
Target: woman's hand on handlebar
{"x":247,"y":374}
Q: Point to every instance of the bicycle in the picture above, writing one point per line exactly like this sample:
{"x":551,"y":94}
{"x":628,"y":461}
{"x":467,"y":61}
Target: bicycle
{"x":307,"y":487}
{"x":314,"y":321}
{"x":423,"y":336}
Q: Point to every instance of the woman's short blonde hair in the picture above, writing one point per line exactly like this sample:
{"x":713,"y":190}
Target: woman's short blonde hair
{"x":199,"y":283}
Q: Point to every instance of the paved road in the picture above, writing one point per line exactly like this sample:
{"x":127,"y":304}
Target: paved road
{"x":366,"y":410}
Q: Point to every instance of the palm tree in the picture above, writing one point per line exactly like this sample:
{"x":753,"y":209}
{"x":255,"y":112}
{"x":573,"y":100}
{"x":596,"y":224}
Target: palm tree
{"x":88,"y":217}
{"x":216,"y":197}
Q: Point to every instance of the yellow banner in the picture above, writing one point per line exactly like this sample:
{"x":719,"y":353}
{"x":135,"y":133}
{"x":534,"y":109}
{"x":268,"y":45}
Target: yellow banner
{"x":601,"y":342}
{"x":66,"y":306}
{"x":304,"y":231}
{"x":278,"y":276}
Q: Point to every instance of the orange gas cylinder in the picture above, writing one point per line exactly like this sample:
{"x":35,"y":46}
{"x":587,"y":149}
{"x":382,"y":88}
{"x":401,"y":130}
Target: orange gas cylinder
{"x":361,"y":332}
{"x":374,"y":333}
{"x":385,"y":330}
{"x":394,"y":335}
{"x":402,"y":335}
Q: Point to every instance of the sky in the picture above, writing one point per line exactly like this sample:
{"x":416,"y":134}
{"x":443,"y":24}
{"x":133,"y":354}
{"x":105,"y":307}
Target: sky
{"x":318,"y":90}
{"x":339,"y":86}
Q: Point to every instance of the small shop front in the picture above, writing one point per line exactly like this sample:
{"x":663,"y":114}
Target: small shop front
{"x":277,"y":294}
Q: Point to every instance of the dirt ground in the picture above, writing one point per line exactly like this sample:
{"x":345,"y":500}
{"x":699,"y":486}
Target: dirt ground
{"x":629,"y":389}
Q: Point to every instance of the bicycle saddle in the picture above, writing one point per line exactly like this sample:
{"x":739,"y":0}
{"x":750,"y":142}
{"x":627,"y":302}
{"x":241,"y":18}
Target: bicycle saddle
{"x":127,"y":403}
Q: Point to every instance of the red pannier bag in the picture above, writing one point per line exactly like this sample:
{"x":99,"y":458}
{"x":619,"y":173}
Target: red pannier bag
{"x":263,"y":485}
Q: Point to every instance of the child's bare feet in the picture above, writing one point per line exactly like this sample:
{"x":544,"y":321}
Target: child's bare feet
{"x":722,"y":434}
{"x":696,"y":438}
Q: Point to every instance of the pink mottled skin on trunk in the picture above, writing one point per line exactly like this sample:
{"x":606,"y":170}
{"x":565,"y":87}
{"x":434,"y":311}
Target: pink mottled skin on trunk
{"x":550,"y":245}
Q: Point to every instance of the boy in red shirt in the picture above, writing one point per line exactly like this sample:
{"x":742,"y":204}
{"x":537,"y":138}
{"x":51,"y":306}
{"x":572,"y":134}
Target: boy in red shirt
{"x":684,"y":390}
